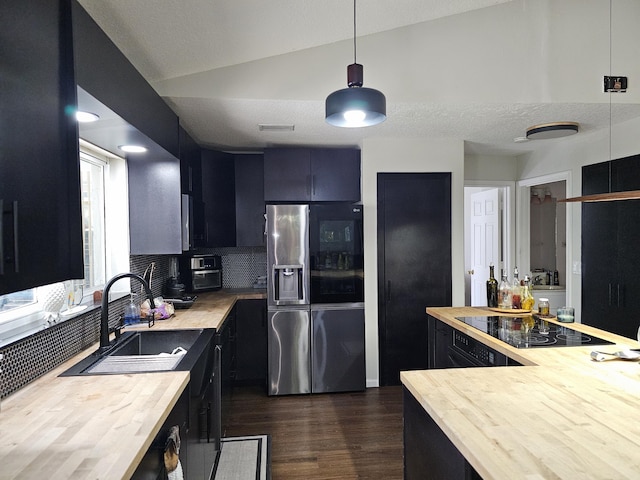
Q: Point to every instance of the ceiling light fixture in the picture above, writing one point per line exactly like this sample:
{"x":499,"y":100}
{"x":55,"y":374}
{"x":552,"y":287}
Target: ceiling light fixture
{"x":132,"y":148}
{"x":355,"y":106}
{"x":86,"y":117}
{"x":552,"y":130}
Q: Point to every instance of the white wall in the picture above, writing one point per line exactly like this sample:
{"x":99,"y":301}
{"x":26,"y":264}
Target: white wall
{"x":407,"y":155}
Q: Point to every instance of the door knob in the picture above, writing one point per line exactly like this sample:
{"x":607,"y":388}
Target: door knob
{"x":470,"y":272}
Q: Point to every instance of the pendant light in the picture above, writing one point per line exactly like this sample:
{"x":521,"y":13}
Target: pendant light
{"x":355,"y":106}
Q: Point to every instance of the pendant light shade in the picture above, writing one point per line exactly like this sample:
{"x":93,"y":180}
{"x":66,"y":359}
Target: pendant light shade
{"x":355,"y":106}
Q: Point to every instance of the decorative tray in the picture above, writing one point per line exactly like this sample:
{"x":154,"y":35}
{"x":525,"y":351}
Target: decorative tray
{"x":515,"y":311}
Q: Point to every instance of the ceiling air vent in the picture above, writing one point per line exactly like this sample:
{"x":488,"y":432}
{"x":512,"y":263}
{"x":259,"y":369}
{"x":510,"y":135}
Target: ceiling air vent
{"x":275,"y":127}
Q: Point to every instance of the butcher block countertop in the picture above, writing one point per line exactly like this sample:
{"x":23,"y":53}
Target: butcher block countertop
{"x":98,"y":426}
{"x":561,"y":416}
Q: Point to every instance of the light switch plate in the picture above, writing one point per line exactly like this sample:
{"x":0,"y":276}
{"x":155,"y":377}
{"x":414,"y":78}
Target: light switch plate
{"x":577,"y":268}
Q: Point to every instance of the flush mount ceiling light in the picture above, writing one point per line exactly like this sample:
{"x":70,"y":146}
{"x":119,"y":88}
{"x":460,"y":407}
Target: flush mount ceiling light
{"x":86,"y":117}
{"x":132,"y":148}
{"x":552,"y":130}
{"x":355,"y":106}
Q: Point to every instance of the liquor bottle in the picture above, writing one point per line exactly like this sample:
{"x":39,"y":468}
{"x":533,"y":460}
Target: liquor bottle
{"x":504,"y":295}
{"x":492,"y":289}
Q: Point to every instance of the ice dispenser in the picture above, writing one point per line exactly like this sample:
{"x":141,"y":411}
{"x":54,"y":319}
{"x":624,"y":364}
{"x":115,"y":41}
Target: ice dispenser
{"x":288,"y":284}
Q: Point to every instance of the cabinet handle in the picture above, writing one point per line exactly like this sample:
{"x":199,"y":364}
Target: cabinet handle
{"x":619,"y":302}
{"x":388,"y":290}
{"x":313,"y":185}
{"x":610,"y":294}
{"x":9,"y":209}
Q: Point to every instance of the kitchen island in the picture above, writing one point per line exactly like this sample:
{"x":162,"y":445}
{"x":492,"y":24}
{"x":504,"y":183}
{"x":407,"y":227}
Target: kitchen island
{"x":559,"y":415}
{"x":98,"y":426}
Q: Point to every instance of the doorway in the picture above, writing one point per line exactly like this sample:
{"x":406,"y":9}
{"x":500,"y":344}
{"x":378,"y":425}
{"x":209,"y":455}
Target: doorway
{"x":488,"y":235}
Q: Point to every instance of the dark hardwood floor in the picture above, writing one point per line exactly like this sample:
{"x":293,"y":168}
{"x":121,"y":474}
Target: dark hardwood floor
{"x":325,"y":436}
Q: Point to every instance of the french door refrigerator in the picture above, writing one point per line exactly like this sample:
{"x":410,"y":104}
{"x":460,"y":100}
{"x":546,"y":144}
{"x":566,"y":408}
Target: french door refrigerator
{"x":315,"y":299}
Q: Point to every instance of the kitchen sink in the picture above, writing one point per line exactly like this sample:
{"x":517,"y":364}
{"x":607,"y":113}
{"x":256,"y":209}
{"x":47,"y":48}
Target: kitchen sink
{"x":146,"y":351}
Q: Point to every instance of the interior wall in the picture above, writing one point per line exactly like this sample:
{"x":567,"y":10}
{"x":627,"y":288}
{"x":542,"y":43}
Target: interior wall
{"x":407,"y":155}
{"x":569,"y":155}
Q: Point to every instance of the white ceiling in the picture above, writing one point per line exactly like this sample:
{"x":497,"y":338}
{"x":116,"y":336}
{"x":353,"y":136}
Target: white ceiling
{"x":476,"y":70}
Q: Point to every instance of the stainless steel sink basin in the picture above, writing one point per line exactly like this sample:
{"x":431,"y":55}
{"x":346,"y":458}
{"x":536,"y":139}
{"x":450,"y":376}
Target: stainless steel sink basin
{"x":146,"y":351}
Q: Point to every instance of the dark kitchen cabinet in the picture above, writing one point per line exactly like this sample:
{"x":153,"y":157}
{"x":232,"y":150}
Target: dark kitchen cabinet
{"x":610,"y":257}
{"x":41,"y":221}
{"x":154,"y":205}
{"x":218,"y":198}
{"x":311,"y":175}
{"x":414,"y":266}
{"x":249,"y":184}
{"x":440,"y":336}
{"x":227,"y":343}
{"x":251,"y":341}
{"x":190,"y":165}
{"x":428,"y":449}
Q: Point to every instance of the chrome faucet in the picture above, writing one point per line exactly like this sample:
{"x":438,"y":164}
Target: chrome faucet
{"x":104,"y":316}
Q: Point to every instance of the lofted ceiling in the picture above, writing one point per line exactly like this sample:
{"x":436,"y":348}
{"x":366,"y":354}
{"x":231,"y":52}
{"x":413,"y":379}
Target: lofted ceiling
{"x":482,"y":71}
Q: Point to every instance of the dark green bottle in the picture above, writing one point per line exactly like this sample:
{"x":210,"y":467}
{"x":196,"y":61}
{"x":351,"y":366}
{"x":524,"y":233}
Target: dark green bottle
{"x":492,"y":289}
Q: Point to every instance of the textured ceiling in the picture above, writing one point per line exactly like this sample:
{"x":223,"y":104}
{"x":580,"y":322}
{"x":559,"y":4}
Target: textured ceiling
{"x":481,"y":71}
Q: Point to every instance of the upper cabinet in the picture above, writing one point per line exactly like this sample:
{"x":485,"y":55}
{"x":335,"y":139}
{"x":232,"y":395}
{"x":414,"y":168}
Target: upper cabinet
{"x":39,"y":166}
{"x":311,"y":175}
{"x":218,"y":198}
{"x":250,"y":209}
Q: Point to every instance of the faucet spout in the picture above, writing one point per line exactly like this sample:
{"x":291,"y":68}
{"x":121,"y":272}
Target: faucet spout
{"x":104,"y":314}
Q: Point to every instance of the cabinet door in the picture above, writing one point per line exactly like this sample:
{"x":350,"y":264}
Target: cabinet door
{"x":287,"y":175}
{"x":250,"y":222}
{"x":251,"y":341}
{"x":335,"y":175}
{"x":414,"y":265}
{"x":219,"y":198}
{"x":41,"y":217}
{"x":155,"y":214}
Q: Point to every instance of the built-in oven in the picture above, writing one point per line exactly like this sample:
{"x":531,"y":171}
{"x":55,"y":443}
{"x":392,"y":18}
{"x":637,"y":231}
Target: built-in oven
{"x":465,"y":351}
{"x":201,"y":272}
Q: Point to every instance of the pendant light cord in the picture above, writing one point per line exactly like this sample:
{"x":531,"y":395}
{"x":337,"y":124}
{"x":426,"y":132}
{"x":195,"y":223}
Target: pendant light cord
{"x":354,"y":31}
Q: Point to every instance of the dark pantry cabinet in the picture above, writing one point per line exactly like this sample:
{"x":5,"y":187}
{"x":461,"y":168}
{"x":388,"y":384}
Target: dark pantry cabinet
{"x":414,"y":265}
{"x":41,"y":231}
{"x":311,"y":175}
{"x":610,"y":255}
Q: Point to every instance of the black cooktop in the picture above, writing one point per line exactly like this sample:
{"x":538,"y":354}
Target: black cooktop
{"x":544,"y":334}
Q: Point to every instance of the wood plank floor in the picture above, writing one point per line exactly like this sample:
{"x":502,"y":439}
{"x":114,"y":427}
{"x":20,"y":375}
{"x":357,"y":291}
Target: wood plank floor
{"x":326,"y":436}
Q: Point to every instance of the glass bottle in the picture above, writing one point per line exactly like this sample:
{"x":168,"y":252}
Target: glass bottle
{"x":516,"y":294}
{"x":504,"y":296}
{"x":492,"y":289}
{"x":527,"y":301}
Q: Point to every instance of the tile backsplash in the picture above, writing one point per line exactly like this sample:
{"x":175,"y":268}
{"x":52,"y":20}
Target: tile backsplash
{"x":31,"y":357}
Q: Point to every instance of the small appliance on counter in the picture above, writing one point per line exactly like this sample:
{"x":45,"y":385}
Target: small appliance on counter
{"x":201,"y":273}
{"x":175,"y":292}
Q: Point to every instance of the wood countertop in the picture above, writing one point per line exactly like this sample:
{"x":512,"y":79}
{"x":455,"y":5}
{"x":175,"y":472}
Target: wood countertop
{"x":561,"y":416}
{"x":98,"y":426}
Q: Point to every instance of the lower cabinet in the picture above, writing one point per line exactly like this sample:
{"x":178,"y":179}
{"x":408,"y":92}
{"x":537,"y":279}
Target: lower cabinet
{"x":196,"y":414}
{"x":440,"y":337}
{"x":428,"y":449}
{"x":227,"y":372}
{"x":251,"y":341}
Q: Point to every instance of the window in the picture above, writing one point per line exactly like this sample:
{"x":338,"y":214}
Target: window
{"x":92,"y":182}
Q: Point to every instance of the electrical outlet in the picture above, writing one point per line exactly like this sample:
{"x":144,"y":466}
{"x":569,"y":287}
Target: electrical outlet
{"x":615,"y":84}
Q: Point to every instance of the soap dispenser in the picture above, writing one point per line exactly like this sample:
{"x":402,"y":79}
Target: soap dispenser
{"x":132,"y":311}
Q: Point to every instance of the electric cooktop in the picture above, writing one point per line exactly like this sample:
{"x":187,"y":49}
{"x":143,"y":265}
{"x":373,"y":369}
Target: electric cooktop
{"x":543,"y":334}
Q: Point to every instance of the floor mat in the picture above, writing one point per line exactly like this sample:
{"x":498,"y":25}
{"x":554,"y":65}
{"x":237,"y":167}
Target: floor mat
{"x":244,"y":458}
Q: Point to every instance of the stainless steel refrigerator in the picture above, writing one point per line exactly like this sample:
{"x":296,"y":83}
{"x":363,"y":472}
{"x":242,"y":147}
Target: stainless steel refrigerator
{"x":315,"y":299}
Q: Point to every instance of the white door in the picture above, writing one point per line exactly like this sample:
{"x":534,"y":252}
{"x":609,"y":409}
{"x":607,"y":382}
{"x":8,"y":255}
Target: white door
{"x":485,"y":242}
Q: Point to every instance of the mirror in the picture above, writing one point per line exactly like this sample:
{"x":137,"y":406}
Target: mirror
{"x":548,"y":233}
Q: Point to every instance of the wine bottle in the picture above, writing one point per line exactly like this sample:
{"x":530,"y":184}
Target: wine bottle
{"x":492,"y":289}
